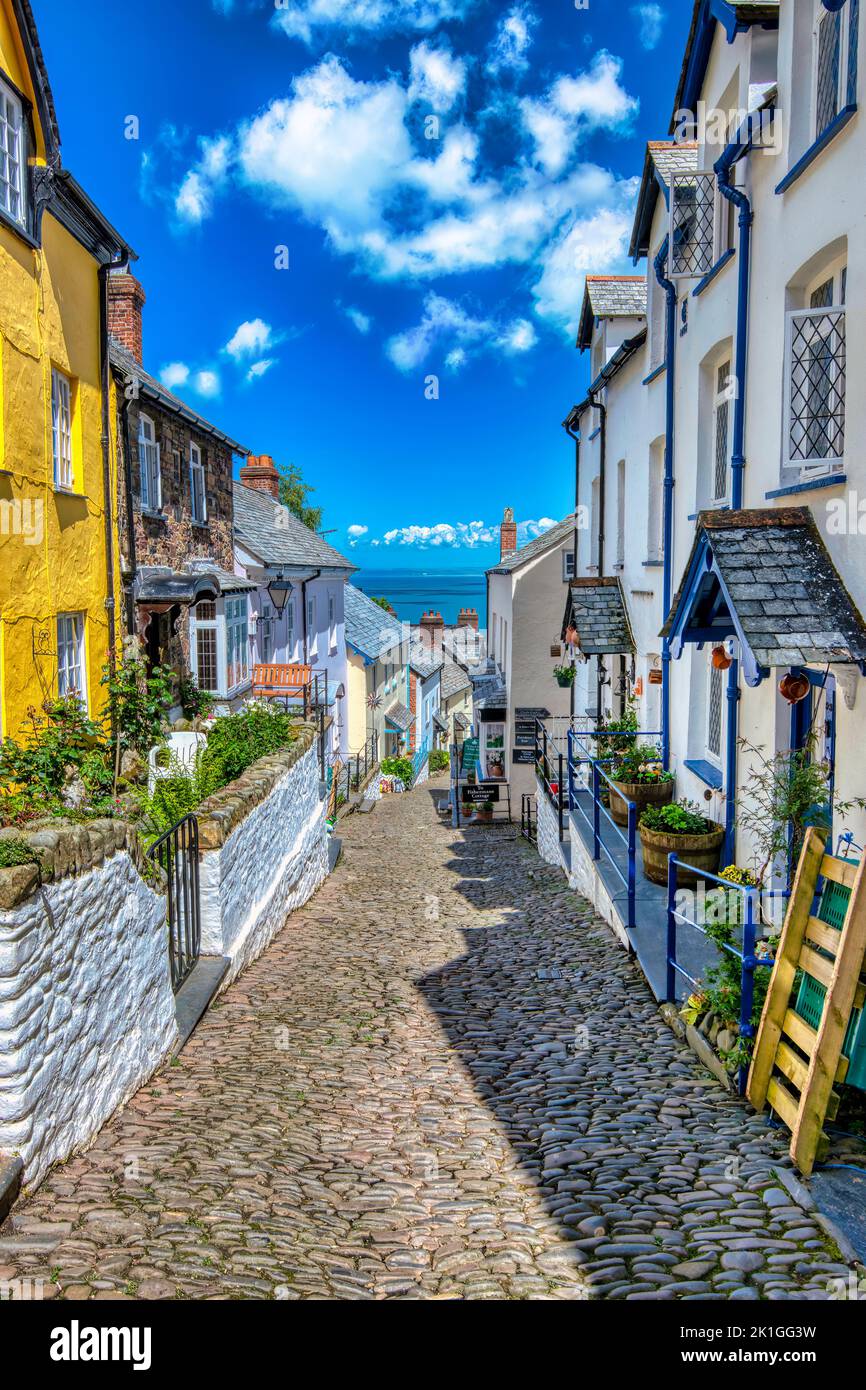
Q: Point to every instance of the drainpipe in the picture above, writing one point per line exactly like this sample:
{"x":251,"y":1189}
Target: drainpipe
{"x":107,"y":489}
{"x":668,"y":498}
{"x":594,"y":400}
{"x":723,"y":168}
{"x":575,"y":435}
{"x":130,"y":514}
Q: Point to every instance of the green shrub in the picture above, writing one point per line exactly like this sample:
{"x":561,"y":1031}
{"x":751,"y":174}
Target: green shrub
{"x":398,"y":767}
{"x":138,"y":703}
{"x":14,"y":852}
{"x":237,"y":740}
{"x":176,"y":796}
{"x":439,"y":760}
{"x":640,"y":765}
{"x":677,"y":818}
{"x":33,"y":772}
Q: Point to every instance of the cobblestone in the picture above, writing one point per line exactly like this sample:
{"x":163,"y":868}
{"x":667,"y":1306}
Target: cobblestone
{"x":443,"y":1080}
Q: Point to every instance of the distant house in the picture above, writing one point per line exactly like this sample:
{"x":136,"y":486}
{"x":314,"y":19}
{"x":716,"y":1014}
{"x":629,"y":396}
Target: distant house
{"x":271,"y":544}
{"x":378,"y":676}
{"x":183,"y":598}
{"x":455,"y":709}
{"x":425,"y":669}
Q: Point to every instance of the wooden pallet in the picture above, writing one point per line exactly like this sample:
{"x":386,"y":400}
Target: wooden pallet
{"x":794,"y":1066}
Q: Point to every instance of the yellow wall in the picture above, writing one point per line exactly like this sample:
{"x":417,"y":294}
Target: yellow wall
{"x":52,"y":544}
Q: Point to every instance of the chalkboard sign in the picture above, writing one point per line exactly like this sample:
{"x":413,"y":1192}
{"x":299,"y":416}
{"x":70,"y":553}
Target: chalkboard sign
{"x":527,"y":714}
{"x":523,"y":755}
{"x":469,"y":759}
{"x":524,"y":736}
{"x":480,"y":793}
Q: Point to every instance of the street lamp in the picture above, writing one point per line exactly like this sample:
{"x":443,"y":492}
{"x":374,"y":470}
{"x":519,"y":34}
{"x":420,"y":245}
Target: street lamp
{"x":280,"y":591}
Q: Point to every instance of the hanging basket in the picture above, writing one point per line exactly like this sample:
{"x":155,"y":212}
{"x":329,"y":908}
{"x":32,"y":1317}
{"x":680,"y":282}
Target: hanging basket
{"x":721,"y":660}
{"x":794,"y":688}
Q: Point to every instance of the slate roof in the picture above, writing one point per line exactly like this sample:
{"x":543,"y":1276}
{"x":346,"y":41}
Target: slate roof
{"x":610,"y":297}
{"x":401,"y":717}
{"x":790,"y":601}
{"x":422,"y":660}
{"x":152,"y":389}
{"x":700,"y":40}
{"x":662,"y":158}
{"x":369,"y":629}
{"x":453,"y":680}
{"x":596,"y":607}
{"x":555,"y":536}
{"x":277,"y":537}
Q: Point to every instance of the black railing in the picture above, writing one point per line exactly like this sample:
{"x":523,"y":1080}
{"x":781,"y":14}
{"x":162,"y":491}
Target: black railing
{"x":551,"y":764}
{"x":529,"y":817}
{"x":349,"y":774}
{"x":176,"y":853}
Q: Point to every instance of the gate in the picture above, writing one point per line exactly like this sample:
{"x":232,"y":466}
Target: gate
{"x":176,"y":853}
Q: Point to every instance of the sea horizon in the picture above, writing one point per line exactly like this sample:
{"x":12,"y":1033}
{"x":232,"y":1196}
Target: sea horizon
{"x":412,"y":592}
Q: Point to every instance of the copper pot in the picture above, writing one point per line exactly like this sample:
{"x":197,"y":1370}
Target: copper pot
{"x":794,"y":688}
{"x":571,"y":636}
{"x":721,"y":660}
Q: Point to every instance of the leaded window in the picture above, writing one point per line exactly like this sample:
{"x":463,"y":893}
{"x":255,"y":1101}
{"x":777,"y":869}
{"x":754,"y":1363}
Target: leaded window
{"x":692,"y":224}
{"x":721,"y":420}
{"x":714,"y":712}
{"x":815,"y":372}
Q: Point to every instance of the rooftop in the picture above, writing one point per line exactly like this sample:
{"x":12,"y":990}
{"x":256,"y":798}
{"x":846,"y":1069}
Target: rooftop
{"x":596,"y":607}
{"x":153,"y":389}
{"x":534,"y":548}
{"x":610,"y":297}
{"x":277,"y":538}
{"x":370,"y":629}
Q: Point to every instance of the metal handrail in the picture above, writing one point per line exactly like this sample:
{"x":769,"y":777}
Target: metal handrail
{"x":749,"y":961}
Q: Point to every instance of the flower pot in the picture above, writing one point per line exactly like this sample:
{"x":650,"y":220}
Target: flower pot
{"x":565,"y":681}
{"x":484,"y":814}
{"x":642,"y":793}
{"x":703,"y":851}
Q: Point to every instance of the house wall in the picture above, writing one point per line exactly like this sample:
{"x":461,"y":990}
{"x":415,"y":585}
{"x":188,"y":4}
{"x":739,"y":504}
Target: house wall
{"x":537,"y":608}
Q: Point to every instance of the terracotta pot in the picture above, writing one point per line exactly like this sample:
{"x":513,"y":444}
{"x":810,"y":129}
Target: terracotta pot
{"x":484,"y":814}
{"x":642,"y":793}
{"x":794,"y":688}
{"x":703,"y":851}
{"x":721,"y":660}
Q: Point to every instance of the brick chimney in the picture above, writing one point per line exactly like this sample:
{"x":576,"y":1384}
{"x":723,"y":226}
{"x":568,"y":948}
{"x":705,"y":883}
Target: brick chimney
{"x":468,"y":617}
{"x":432,"y":628}
{"x":507,"y":534}
{"x":126,"y":300}
{"x":260,"y":473}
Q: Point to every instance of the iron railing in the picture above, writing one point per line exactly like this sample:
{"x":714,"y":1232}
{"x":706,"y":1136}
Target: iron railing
{"x":551,"y":765}
{"x":529,"y":817}
{"x":351,"y":772}
{"x":176,"y":853}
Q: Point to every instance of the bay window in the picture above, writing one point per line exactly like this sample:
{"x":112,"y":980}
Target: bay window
{"x":206,"y":648}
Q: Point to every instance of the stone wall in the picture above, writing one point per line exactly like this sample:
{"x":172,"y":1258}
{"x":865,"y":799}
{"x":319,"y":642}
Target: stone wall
{"x":264,"y":852}
{"x":548,"y":827}
{"x":86,"y":1005}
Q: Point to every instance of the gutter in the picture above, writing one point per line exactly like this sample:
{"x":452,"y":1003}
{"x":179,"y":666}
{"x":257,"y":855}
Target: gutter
{"x":668,"y":491}
{"x":724,"y":166}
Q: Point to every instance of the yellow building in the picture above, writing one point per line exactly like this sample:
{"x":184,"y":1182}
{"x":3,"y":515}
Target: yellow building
{"x":59,"y":577}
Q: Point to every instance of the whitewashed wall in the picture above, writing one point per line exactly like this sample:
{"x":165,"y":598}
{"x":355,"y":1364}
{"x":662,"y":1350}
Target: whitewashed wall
{"x":86,"y":1007}
{"x":264,"y":853}
{"x":548,"y":828}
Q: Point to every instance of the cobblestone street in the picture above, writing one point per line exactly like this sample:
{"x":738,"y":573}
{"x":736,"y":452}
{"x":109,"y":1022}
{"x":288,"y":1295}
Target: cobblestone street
{"x":442,"y":1080}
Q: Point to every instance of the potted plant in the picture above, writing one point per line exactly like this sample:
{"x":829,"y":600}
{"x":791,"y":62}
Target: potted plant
{"x":639,"y":777}
{"x":484,"y":814}
{"x":679,"y":828}
{"x":564,"y":675}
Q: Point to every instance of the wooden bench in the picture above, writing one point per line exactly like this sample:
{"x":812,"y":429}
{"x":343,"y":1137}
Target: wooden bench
{"x":275,"y":681}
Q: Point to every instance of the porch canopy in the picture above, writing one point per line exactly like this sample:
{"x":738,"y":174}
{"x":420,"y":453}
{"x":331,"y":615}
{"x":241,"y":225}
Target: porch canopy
{"x":596,"y":608}
{"x":399,"y":717}
{"x":766,"y":578}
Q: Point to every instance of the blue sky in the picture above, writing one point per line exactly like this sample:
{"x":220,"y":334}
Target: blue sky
{"x":441,"y":174}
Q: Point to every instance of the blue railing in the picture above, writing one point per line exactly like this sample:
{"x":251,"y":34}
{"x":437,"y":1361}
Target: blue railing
{"x":747,"y":917}
{"x":593,"y":821}
{"x":418,"y":761}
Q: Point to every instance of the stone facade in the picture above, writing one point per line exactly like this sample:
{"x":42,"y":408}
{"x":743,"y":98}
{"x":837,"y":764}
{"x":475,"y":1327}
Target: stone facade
{"x":264,"y":852}
{"x":86,"y":1005}
{"x":548,"y":828}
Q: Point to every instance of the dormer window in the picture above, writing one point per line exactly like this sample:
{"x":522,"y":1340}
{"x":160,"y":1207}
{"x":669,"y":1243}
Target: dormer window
{"x":12,"y":163}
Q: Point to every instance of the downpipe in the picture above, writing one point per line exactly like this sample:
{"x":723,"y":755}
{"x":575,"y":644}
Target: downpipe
{"x":668,"y":489}
{"x":598,"y":405}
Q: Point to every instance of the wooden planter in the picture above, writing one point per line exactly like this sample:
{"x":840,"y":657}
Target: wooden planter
{"x":642,"y":793}
{"x":703,"y":851}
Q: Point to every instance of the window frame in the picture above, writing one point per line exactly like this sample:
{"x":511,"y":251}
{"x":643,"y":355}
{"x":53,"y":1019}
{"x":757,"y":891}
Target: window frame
{"x":805,"y":470}
{"x":712,"y":675}
{"x":206,"y":625}
{"x":721,"y":400}
{"x":8,"y":96}
{"x":144,"y":469}
{"x":196,"y":467}
{"x":823,"y":16}
{"x":62,"y":384}
{"x":236,"y":617}
{"x":78,"y":621}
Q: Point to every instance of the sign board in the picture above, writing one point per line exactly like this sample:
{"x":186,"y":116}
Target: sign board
{"x":492,"y":716}
{"x":469,"y":756}
{"x":527,"y":714}
{"x":523,"y":755}
{"x":481,"y":792}
{"x":524,"y":736}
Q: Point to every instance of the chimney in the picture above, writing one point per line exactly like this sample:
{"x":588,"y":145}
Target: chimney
{"x":259,"y":473}
{"x":468,"y":617}
{"x":126,"y":300}
{"x":507,"y":534}
{"x":431,"y":624}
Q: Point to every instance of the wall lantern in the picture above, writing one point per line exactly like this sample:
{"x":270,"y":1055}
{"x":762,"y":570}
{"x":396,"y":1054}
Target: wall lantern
{"x":794,"y":688}
{"x":280,"y":591}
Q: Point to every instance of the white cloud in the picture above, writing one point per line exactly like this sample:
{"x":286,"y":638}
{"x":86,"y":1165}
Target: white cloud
{"x":512,"y":41}
{"x":258,"y":369}
{"x":436,"y":76}
{"x":356,"y":532}
{"x":529,"y":530}
{"x":445,"y":322}
{"x":651,"y":20}
{"x":207,"y":383}
{"x":362,"y":321}
{"x":459,"y":535}
{"x":174,"y":374}
{"x":308,"y":19}
{"x":574,"y":106}
{"x":588,"y":246}
{"x":195,"y":197}
{"x":249,"y":338}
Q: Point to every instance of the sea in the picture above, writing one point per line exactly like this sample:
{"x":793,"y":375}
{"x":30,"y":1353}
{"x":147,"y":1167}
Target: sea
{"x":413,"y":592}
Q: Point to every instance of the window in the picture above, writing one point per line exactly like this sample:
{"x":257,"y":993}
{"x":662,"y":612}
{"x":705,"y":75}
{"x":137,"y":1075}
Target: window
{"x":149,"y":465}
{"x":594,"y":514}
{"x":714,"y":712}
{"x":266,"y":633}
{"x":835,"y":45}
{"x":311,"y":626}
{"x":70,"y":656}
{"x":332,"y":622}
{"x":692,"y":225}
{"x":655,"y":506}
{"x":721,"y":420}
{"x":61,"y":427}
{"x":206,"y":647}
{"x":198,"y":498}
{"x":290,"y":630}
{"x":567,"y":565}
{"x":12,"y":163}
{"x":237,"y":642}
{"x":815,"y":378}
